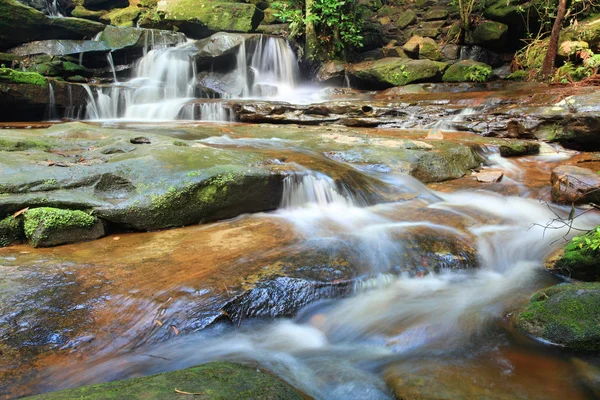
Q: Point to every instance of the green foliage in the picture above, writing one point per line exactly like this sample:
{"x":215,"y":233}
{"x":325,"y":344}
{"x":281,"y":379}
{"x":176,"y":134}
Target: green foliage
{"x":337,"y":22}
{"x":590,"y":241}
{"x":477,"y":73}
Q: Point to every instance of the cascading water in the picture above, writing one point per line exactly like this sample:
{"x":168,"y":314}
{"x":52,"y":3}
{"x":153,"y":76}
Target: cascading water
{"x":52,"y":8}
{"x":163,"y":86}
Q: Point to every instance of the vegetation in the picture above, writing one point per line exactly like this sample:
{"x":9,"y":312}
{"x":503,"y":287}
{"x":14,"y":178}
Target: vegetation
{"x":337,"y":21}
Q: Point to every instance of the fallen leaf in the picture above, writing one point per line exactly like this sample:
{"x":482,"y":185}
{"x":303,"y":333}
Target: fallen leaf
{"x":175,"y":329}
{"x":116,"y":238}
{"x":158,"y":322}
{"x":192,"y":393}
{"x":15,"y":215}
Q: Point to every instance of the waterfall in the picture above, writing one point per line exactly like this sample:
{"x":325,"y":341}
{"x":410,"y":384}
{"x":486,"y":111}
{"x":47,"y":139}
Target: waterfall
{"x":52,"y":111}
{"x":52,"y":7}
{"x":163,"y":86}
{"x":312,"y":190}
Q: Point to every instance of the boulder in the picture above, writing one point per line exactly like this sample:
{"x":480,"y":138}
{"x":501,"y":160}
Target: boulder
{"x":332,"y":72}
{"x":480,"y":54}
{"x":201,"y":20}
{"x":489,"y":34}
{"x":20,"y":24}
{"x":507,"y":11}
{"x":122,"y":16}
{"x":577,"y":260}
{"x":468,"y":71}
{"x":215,"y":380}
{"x":389,"y":72}
{"x":46,"y":227}
{"x":405,"y":19}
{"x":11,"y":231}
{"x":423,"y":48}
{"x":81,"y":12}
{"x":575,"y":185}
{"x":436,"y":14}
{"x":565,"y":315}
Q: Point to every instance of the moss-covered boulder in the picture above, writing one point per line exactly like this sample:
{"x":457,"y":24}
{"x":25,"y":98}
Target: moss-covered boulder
{"x":202,"y":18}
{"x":389,"y":72}
{"x":566,"y":315}
{"x":122,"y":16}
{"x":405,"y":19}
{"x":20,"y":24}
{"x":507,"y":11}
{"x":468,"y":71}
{"x":46,"y":226}
{"x":577,"y":260}
{"x":11,"y":230}
{"x":489,"y":34}
{"x":444,"y":163}
{"x":436,"y":14}
{"x":215,"y":381}
{"x":81,"y":12}
{"x":423,"y":48}
{"x":12,"y":76}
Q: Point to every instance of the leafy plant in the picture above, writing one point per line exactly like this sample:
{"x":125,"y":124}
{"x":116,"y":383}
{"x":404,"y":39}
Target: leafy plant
{"x":590,"y":241}
{"x":478,"y":73}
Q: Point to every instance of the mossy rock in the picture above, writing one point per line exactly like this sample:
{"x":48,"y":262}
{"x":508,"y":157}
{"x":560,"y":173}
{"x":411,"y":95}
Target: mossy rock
{"x":507,"y":11}
{"x":46,"y":226}
{"x":211,"y":16}
{"x":11,"y":231}
{"x":489,"y":34}
{"x":565,"y":314}
{"x":436,"y":14}
{"x":468,"y":71}
{"x":577,"y":262}
{"x":122,"y":16}
{"x":405,"y":19}
{"x":397,"y":71}
{"x":519,"y":75}
{"x":12,"y":76}
{"x":429,"y":49}
{"x":445,"y":163}
{"x":81,"y":12}
{"x":216,"y":381}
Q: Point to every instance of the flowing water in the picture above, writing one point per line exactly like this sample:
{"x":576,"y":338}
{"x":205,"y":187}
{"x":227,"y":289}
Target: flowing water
{"x":404,"y":330}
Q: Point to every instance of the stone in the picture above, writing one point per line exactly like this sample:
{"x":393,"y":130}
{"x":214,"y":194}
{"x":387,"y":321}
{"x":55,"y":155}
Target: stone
{"x":405,"y":19}
{"x":570,"y":48}
{"x":46,"y":227}
{"x":215,"y":380}
{"x":11,"y":231}
{"x":81,"y":12}
{"x":20,"y":24}
{"x":331,"y":72}
{"x":389,"y":72}
{"x":577,"y":262}
{"x":140,"y":140}
{"x":436,"y":14}
{"x":565,"y":315}
{"x":429,"y":49}
{"x":480,"y":54}
{"x":489,"y":176}
{"x":489,"y":34}
{"x":394,"y":51}
{"x":507,"y":11}
{"x":575,"y":185}
{"x":201,"y":20}
{"x":122,"y":16}
{"x":468,"y":71}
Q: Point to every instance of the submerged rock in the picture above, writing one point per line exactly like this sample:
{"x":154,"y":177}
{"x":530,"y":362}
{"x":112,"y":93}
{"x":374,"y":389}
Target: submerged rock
{"x":216,"y":380}
{"x":565,"y":314}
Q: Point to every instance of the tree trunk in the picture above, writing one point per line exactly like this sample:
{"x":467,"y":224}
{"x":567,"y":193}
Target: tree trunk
{"x":549,"y":59}
{"x":311,"y":43}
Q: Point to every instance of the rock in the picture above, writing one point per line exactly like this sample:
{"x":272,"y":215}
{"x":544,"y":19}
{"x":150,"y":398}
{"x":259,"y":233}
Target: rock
{"x":215,"y":380}
{"x":468,"y":71}
{"x":122,"y":16}
{"x":396,"y":71}
{"x":31,"y":78}
{"x":201,"y":20}
{"x":565,"y":314}
{"x":46,"y":227}
{"x":393,"y":51}
{"x":489,"y":176}
{"x":81,"y":12}
{"x":405,"y":19}
{"x":140,"y":140}
{"x":436,"y":14}
{"x":373,"y":37}
{"x":572,"y":47}
{"x":581,"y":263}
{"x":451,"y":52}
{"x":480,"y":54}
{"x":444,"y":164}
{"x":490,"y":34}
{"x":572,"y":184}
{"x":11,"y":231}
{"x":508,"y":12}
{"x":20,"y":24}
{"x":332,"y":72}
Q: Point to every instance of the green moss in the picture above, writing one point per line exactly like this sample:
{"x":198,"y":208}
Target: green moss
{"x":398,"y":72}
{"x":578,"y":262}
{"x":11,"y":230}
{"x":468,"y":71}
{"x":489,"y":32}
{"x":11,"y":144}
{"x":216,"y":381}
{"x":519,"y":75}
{"x":55,"y":218}
{"x":32,"y":78}
{"x":566,"y":314}
{"x":180,"y":143}
{"x":216,"y":16}
{"x":122,"y":16}
{"x":406,"y":18}
{"x":81,"y":12}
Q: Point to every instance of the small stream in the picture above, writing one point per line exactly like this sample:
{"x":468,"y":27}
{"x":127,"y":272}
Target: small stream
{"x":407,"y":327}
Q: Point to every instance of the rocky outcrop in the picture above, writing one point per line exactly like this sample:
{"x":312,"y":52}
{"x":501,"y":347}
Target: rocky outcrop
{"x":468,"y":71}
{"x":21,"y":24}
{"x":575,"y":185}
{"x":566,"y":315}
{"x":203,"y":20}
{"x":216,"y":380}
{"x":389,"y":72}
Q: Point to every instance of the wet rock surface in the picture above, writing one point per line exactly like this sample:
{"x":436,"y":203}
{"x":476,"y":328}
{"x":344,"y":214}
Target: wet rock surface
{"x":575,"y":185}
